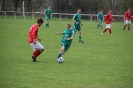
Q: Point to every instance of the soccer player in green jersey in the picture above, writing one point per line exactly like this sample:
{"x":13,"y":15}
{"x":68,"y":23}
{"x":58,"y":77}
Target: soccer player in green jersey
{"x":77,"y":23}
{"x":100,"y":18}
{"x":66,"y":41}
{"x":48,"y":14}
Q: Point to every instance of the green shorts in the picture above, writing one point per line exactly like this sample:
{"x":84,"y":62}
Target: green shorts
{"x":77,"y":27}
{"x":99,"y":20}
{"x":67,"y":46}
{"x":47,"y":18}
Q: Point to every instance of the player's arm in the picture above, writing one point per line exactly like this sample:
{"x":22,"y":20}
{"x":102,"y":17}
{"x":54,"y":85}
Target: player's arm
{"x":97,"y":16}
{"x":81,"y":23}
{"x":59,"y":33}
{"x":104,"y":18}
{"x":69,"y":38}
{"x":51,"y":13}
{"x":73,"y":19}
{"x":72,"y":36}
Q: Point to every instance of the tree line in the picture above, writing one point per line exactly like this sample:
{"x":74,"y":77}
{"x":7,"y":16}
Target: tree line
{"x":91,"y":6}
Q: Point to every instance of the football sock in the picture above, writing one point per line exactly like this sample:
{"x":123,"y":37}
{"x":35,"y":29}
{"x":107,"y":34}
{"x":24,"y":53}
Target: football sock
{"x":128,"y":27}
{"x":37,"y":53}
{"x":101,"y":26}
{"x":98,"y":25}
{"x":110,"y":31}
{"x":105,"y":30}
{"x":79,"y":37}
{"x":59,"y":55}
{"x":125,"y":27}
{"x":48,"y":25}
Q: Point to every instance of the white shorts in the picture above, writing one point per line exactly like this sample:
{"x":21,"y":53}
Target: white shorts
{"x":128,"y":21}
{"x":36,"y":46}
{"x":108,"y":25}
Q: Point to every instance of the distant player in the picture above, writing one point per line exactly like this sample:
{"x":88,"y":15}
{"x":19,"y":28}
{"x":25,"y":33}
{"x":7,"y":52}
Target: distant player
{"x":128,"y":19}
{"x":34,"y":39}
{"x":77,"y":22}
{"x":66,"y":41}
{"x":108,"y":19}
{"x":100,"y":18}
{"x":48,"y":14}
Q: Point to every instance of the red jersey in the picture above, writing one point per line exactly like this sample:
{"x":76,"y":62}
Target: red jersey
{"x":33,"y":33}
{"x":128,"y":15}
{"x":108,"y":18}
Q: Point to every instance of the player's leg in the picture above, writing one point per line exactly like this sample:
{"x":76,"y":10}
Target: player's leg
{"x":101,"y":24}
{"x":80,"y":33}
{"x":129,"y":22}
{"x":47,"y":22}
{"x":62,"y":50}
{"x":110,"y":31}
{"x":125,"y":25}
{"x":98,"y":24}
{"x":107,"y":27}
{"x":38,"y":49}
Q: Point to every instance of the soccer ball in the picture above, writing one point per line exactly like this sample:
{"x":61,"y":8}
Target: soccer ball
{"x":61,"y":59}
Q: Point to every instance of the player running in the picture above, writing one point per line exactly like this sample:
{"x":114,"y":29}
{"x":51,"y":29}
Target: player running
{"x":128,"y":19}
{"x":34,"y":39}
{"x":108,"y":19}
{"x":48,"y":14}
{"x":66,"y":41}
{"x":77,"y":22}
{"x":100,"y":18}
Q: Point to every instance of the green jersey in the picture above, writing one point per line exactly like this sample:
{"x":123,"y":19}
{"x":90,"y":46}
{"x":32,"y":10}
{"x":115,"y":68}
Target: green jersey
{"x":67,"y":34}
{"x":48,"y":12}
{"x":100,"y":16}
{"x":77,"y":18}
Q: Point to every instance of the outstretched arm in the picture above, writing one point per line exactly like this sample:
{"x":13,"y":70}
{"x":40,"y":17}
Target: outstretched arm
{"x":59,"y":33}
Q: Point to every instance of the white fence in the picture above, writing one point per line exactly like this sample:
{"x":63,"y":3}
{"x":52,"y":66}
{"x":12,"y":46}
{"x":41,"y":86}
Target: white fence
{"x":58,"y":15}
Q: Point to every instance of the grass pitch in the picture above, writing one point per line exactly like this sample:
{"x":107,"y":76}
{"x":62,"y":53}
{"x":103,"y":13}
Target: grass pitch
{"x":103,"y":61}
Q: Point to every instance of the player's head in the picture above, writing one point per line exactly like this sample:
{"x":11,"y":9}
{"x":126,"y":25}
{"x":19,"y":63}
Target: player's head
{"x":110,"y":11}
{"x":39,"y":21}
{"x":68,"y":26}
{"x":101,"y":10}
{"x":129,"y":10}
{"x":49,"y":7}
{"x":79,"y":10}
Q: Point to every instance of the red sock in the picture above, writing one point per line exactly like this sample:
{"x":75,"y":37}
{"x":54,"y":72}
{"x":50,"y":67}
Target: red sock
{"x":37,"y":53}
{"x":110,"y":31}
{"x":105,"y":30}
{"x":125,"y":26}
{"x":128,"y":27}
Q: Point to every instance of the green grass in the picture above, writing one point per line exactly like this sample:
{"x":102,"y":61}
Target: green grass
{"x":103,"y":61}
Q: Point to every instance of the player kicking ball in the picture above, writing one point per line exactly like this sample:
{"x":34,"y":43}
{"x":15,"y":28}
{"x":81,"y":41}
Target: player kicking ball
{"x":108,"y":19}
{"x":66,"y":40}
{"x":34,"y":40}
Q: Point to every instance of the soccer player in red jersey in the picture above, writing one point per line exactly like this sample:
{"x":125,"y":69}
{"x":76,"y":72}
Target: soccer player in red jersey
{"x":108,"y":19}
{"x":128,"y":19}
{"x":34,"y":40}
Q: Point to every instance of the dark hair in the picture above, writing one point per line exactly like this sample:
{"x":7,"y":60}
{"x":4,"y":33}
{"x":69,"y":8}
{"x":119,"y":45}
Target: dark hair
{"x":40,"y":20}
{"x":79,"y":8}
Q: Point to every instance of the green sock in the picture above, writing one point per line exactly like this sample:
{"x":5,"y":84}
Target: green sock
{"x":46,"y":25}
{"x":59,"y":55}
{"x":101,"y":26}
{"x":98,"y":25}
{"x":79,"y":37}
